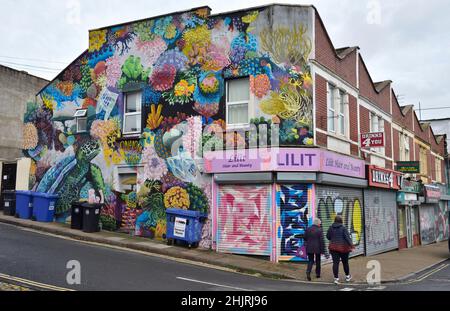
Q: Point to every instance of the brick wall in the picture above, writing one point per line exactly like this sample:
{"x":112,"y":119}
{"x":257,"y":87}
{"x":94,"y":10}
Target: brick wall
{"x":326,"y":55}
{"x":396,"y":145}
{"x":353,"y":115}
{"x":321,"y":140}
{"x":367,"y":89}
{"x":388,"y":139}
{"x":321,"y":103}
{"x":364,"y":120}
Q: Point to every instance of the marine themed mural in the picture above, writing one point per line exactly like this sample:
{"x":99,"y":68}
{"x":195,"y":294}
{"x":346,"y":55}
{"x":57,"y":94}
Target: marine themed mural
{"x":125,"y":123}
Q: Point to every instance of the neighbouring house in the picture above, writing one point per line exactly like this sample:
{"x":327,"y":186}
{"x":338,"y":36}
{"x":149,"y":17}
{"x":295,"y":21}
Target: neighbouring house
{"x":139,"y":121}
{"x":17,"y":88}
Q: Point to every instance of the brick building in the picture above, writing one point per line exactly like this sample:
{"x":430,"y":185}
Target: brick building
{"x":129,"y":121}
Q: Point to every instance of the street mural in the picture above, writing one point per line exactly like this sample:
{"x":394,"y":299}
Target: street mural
{"x":180,"y":64}
{"x":295,"y":216}
{"x":244,"y":220}
{"x":442,"y":225}
{"x":333,"y":202}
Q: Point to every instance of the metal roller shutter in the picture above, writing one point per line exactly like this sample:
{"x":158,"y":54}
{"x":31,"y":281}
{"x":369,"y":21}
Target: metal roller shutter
{"x":348,"y":203}
{"x":442,"y":228}
{"x":244,"y":220}
{"x":427,"y":223}
{"x":294,"y":217}
{"x":380,"y":219}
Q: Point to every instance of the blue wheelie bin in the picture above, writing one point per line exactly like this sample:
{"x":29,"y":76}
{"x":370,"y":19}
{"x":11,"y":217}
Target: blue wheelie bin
{"x":44,"y":207}
{"x":24,"y":204}
{"x":186,"y":226}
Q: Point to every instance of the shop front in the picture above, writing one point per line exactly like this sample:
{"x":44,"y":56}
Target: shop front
{"x":428,"y":225}
{"x":408,"y":213}
{"x":380,"y":213}
{"x":442,"y":216}
{"x":265,"y":200}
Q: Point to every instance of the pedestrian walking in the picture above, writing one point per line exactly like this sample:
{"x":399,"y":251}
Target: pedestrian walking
{"x":340,"y":248}
{"x":315,"y":247}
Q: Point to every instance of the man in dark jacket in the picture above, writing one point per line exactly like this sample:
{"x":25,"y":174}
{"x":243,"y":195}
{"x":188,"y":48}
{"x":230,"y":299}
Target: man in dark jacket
{"x":340,"y":247}
{"x":315,"y":247}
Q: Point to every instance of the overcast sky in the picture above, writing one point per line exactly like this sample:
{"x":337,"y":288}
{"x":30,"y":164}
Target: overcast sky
{"x":407,"y":41}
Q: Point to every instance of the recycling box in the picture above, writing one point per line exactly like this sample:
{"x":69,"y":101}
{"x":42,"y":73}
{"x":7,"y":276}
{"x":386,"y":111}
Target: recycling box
{"x":186,"y":226}
{"x":44,"y":206}
{"x":24,"y":204}
{"x":9,"y":202}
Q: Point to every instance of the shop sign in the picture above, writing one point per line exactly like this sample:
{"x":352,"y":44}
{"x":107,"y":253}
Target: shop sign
{"x":410,"y":186}
{"x":432,"y":194}
{"x":406,"y":198}
{"x":408,"y":167}
{"x":383,"y":178}
{"x":372,"y":140}
{"x":284,"y":160}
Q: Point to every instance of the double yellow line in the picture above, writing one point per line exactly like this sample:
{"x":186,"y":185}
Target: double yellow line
{"x":38,"y":285}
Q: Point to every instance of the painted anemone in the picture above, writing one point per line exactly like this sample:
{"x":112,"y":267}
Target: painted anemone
{"x":208,"y":93}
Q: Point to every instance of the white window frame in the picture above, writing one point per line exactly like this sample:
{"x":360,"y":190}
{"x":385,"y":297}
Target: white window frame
{"x":125,"y":114}
{"x":249,"y":106}
{"x":438,"y":168}
{"x":81,"y":116}
{"x":331,"y":107}
{"x":380,"y":129}
{"x":343,"y":104}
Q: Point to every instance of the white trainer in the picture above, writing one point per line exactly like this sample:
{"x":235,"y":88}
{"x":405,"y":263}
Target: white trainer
{"x":348,"y":278}
{"x":336,"y":281}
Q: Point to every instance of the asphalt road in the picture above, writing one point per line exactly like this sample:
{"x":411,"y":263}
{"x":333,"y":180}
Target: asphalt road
{"x":31,"y":256}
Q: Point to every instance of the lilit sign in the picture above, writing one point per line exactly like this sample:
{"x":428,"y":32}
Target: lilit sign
{"x":383,"y":178}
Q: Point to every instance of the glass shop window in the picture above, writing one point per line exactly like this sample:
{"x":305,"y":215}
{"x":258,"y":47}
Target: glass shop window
{"x":237,"y":103}
{"x":81,"y":120}
{"x":132,"y":115}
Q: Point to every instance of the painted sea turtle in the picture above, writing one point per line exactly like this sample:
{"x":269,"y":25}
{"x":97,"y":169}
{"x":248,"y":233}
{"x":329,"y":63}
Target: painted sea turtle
{"x":70,"y":175}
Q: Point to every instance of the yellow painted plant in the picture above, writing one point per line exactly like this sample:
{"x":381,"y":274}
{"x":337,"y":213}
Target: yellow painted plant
{"x":154,"y":117}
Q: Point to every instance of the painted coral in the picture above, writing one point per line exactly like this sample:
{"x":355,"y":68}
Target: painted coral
{"x":260,"y":85}
{"x":154,"y":167}
{"x":163,"y":78}
{"x":177,"y":197}
{"x":96,"y":40}
{"x":30,"y":136}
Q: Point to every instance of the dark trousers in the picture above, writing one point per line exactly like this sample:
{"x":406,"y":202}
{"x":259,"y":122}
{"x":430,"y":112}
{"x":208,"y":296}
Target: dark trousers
{"x":337,"y":258}
{"x":311,"y":263}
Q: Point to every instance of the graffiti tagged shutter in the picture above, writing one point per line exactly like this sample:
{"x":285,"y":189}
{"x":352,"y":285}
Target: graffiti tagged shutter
{"x":244,"y":220}
{"x":380,"y":221}
{"x":348,"y":203}
{"x":294,"y":217}
{"x":442,"y":228}
{"x":427,"y":223}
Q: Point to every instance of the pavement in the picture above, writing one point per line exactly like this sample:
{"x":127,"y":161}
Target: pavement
{"x":396,"y":266}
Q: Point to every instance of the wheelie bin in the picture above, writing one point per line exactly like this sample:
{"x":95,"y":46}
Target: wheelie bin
{"x":91,"y":217}
{"x":9,"y":202}
{"x":44,"y":206}
{"x":186,"y":226}
{"x":24,"y":204}
{"x":77,"y":215}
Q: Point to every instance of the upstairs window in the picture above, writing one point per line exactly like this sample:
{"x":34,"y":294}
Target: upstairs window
{"x":133,"y":113}
{"x":81,"y":120}
{"x":237,"y":102}
{"x":331,"y":110}
{"x":337,"y":110}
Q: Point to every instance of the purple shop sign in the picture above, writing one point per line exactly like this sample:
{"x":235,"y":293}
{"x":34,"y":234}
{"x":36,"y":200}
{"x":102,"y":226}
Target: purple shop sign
{"x":234,"y":161}
{"x":299,"y":159}
{"x":334,"y":163}
{"x":284,"y":160}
